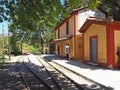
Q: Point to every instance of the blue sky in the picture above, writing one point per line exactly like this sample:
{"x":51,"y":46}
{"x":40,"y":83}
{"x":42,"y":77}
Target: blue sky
{"x":5,"y":23}
{"x":62,"y":2}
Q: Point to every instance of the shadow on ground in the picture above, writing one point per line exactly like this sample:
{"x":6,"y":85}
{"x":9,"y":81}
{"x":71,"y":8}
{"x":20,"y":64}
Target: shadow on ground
{"x":80,"y":65}
{"x":10,"y":77}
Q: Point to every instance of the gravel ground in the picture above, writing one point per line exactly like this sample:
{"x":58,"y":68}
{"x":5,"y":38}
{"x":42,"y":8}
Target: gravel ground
{"x":10,"y":78}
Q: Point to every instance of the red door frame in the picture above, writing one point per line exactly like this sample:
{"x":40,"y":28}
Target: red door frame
{"x":96,"y":37}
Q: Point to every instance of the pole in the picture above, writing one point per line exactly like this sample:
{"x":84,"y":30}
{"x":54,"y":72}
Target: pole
{"x":9,"y":52}
{"x":3,"y":41}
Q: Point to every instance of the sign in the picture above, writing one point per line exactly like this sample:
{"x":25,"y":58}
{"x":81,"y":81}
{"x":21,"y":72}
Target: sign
{"x":67,"y":49}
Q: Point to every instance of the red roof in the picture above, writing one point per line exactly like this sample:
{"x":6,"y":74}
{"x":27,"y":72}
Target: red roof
{"x":88,"y":23}
{"x":60,"y":39}
{"x":105,"y":22}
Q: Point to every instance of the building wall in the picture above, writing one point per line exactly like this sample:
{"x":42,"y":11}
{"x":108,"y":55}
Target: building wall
{"x":46,"y":50}
{"x":62,"y":30}
{"x":71,"y":26}
{"x":86,"y":13}
{"x":62,"y":45}
{"x":72,"y":48}
{"x":79,"y":47}
{"x":100,"y":31}
{"x":117,"y":43}
{"x":56,"y":33}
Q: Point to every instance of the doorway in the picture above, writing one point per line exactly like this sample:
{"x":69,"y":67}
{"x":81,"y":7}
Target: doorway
{"x":93,"y":48}
{"x":58,"y":48}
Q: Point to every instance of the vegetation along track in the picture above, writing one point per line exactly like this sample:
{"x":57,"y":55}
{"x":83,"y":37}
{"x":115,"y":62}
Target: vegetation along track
{"x":31,"y":79}
{"x":59,"y":78}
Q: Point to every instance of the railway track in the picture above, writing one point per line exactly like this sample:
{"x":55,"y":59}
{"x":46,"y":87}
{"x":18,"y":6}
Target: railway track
{"x":80,"y":80}
{"x":31,"y":79}
{"x":50,"y":76}
{"x":59,"y":78}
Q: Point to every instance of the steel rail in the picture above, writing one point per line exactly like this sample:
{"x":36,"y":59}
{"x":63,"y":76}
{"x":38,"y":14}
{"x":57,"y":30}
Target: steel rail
{"x":25,"y":82}
{"x":50,"y":75}
{"x":78,"y":85}
{"x":35,"y":74}
{"x":40,"y":78}
{"x":102,"y":86}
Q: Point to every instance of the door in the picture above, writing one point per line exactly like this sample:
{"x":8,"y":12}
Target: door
{"x":94,"y":49}
{"x":58,"y":48}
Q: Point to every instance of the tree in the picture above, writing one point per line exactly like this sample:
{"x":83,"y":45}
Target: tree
{"x":42,"y":35}
{"x":34,"y":20}
{"x":112,"y":6}
{"x":5,"y":45}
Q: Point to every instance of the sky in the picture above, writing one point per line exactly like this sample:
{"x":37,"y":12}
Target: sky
{"x":5,"y":23}
{"x":62,"y":2}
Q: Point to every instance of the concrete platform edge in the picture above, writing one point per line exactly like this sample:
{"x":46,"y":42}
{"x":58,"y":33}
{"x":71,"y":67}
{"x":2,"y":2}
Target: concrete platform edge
{"x":77,"y":73}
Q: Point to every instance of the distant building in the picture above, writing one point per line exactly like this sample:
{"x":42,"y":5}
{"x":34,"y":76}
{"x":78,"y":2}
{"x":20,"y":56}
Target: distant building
{"x":46,"y":49}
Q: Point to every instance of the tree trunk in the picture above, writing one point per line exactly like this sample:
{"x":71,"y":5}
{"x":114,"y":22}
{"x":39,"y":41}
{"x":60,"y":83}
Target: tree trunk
{"x":21,"y":47}
{"x":42,"y":45}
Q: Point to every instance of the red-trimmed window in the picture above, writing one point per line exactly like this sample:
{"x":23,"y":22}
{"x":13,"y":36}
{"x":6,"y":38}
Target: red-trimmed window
{"x":67,"y":27}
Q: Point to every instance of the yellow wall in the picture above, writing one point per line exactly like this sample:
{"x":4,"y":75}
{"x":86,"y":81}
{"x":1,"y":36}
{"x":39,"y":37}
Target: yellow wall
{"x":79,"y":47}
{"x":56,"y":33}
{"x":70,"y":42}
{"x":71,"y":26}
{"x":100,"y":31}
{"x":63,"y":30}
{"x":46,"y":50}
{"x":72,"y":48}
{"x":62,"y":45}
{"x":117,"y":42}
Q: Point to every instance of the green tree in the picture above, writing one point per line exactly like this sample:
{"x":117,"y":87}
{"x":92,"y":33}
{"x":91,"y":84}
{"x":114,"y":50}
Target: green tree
{"x":33,"y":21}
{"x":5,"y":45}
{"x":112,"y":6}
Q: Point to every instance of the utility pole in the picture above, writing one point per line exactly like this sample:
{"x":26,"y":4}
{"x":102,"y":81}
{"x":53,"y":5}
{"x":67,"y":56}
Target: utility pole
{"x":9,"y":51}
{"x":3,"y":41}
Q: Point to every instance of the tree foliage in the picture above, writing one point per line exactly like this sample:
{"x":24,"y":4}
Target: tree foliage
{"x":112,"y":6}
{"x":33,"y":21}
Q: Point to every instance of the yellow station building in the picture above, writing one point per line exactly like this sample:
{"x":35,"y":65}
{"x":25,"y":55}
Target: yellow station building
{"x":101,"y":40}
{"x":69,"y":42}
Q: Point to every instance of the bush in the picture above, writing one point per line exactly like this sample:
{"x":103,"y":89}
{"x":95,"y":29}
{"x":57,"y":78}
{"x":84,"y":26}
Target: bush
{"x":36,"y":51}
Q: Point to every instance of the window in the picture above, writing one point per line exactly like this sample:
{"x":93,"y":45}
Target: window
{"x":67,"y":27}
{"x":58,"y":33}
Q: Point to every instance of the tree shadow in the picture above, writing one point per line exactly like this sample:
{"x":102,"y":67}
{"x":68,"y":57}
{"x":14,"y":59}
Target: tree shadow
{"x":10,"y":78}
{"x":79,"y":64}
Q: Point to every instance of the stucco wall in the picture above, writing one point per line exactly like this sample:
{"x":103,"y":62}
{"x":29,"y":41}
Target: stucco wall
{"x":100,"y":31}
{"x":86,"y":13}
{"x":56,"y":33}
{"x":63,"y":30}
{"x":117,"y":42}
{"x":71,"y":26}
{"x":79,"y":47}
{"x":62,"y":45}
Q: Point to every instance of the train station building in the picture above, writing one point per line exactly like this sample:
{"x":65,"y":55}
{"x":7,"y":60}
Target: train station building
{"x":88,"y":36}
